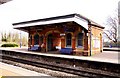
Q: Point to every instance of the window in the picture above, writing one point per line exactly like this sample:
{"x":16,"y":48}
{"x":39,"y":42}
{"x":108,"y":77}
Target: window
{"x":80,"y":40}
{"x":68,"y":40}
{"x":36,"y":39}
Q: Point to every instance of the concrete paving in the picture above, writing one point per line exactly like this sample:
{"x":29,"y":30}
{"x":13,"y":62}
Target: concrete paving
{"x":114,"y":48}
{"x":10,"y":70}
{"x":105,"y":56}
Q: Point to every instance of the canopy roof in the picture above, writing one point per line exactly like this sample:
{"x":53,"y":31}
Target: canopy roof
{"x":4,"y":1}
{"x":79,"y":19}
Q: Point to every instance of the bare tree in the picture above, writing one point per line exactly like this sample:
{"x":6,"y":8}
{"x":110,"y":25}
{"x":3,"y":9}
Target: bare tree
{"x":13,"y":37}
{"x":4,"y":37}
{"x":24,"y":41}
{"x":112,"y":31}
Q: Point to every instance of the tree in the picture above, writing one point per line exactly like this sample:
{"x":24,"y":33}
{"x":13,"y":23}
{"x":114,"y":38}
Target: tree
{"x":9,"y":37}
{"x":112,"y":32}
{"x":24,"y":41}
{"x":13,"y":38}
{"x":4,"y":37}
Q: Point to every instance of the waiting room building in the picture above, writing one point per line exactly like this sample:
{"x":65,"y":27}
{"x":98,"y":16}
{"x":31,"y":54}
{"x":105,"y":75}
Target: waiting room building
{"x":70,"y":34}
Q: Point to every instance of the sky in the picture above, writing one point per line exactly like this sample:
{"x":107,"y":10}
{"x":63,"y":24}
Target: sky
{"x":24,"y":10}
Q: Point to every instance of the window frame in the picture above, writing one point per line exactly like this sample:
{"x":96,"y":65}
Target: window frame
{"x":69,"y":40}
{"x":79,"y":39}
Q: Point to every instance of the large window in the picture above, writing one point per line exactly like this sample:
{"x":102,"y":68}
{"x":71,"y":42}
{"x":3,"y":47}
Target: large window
{"x":68,"y":40}
{"x":80,"y":40}
{"x":36,"y":39}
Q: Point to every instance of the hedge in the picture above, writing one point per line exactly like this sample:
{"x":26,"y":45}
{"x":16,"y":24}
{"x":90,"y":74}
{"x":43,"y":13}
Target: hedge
{"x":9,"y":45}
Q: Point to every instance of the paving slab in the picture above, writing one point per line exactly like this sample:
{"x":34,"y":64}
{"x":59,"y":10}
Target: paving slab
{"x":10,"y":70}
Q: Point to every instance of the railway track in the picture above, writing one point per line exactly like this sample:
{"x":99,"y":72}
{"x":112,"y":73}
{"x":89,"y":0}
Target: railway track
{"x":83,"y":73}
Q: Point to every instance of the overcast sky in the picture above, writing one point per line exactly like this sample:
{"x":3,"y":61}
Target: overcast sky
{"x":21,"y":10}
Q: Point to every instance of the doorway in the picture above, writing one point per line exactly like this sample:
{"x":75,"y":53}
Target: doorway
{"x":50,"y":42}
{"x":36,"y":39}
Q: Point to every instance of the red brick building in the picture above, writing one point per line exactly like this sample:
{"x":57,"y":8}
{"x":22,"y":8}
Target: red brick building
{"x":73,"y":31}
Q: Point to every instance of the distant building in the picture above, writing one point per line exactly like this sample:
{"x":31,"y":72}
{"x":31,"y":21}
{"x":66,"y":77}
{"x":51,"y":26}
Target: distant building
{"x":73,"y":31}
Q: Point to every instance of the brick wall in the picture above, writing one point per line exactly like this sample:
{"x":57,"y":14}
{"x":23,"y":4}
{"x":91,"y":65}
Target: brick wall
{"x":61,"y":40}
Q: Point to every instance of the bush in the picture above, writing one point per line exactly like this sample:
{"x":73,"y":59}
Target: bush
{"x":9,"y":45}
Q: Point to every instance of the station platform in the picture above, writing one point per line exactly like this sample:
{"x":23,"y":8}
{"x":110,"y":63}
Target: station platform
{"x":105,"y":56}
{"x":115,"y":49}
{"x":10,"y":70}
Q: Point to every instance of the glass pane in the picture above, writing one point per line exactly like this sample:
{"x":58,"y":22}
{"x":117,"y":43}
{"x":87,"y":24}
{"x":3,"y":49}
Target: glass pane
{"x":80,"y":39}
{"x":68,"y":39}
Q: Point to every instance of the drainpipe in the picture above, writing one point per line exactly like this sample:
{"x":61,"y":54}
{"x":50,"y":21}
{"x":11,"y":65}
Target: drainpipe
{"x":90,"y":39}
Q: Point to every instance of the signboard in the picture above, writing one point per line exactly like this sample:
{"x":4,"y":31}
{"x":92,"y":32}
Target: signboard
{"x":96,"y":42}
{"x":63,"y":34}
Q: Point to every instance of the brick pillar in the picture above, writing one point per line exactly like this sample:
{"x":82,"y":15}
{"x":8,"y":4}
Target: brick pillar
{"x":85,"y":42}
{"x":89,"y":43}
{"x":101,"y":43}
{"x":29,"y":42}
{"x":86,"y":52}
{"x":73,"y":42}
{"x":45,"y":43}
{"x":32,"y":40}
{"x":62,"y":42}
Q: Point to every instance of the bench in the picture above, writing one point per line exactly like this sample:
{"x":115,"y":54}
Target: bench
{"x":34,"y":48}
{"x":66,"y":50}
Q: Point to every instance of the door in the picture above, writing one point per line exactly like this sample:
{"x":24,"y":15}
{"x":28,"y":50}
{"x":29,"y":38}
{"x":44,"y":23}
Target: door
{"x":50,"y":42}
{"x":36,"y":39}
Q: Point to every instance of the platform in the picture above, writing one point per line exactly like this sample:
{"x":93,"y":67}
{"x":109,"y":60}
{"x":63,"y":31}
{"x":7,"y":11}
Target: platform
{"x":115,"y":49}
{"x":10,"y":70}
{"x":105,"y":56}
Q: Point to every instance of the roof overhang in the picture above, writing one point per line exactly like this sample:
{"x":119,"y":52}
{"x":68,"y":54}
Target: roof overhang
{"x":60,"y":19}
{"x":77,"y":18}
